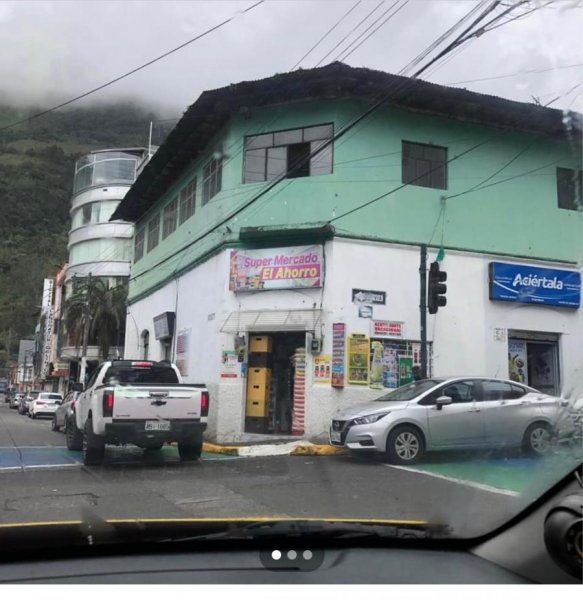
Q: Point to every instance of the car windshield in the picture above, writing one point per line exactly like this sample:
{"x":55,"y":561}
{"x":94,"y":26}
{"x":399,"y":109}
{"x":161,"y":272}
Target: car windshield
{"x":409,"y":391}
{"x":295,"y":259}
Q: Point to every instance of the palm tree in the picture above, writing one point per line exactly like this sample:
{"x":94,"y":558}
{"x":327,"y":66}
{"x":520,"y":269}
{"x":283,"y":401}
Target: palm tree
{"x":105,"y":306}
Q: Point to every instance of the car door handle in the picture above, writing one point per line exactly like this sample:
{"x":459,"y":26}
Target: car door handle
{"x":475,"y":410}
{"x":526,"y":402}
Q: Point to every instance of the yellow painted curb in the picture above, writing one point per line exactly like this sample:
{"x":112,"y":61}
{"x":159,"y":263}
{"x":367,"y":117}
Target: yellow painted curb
{"x":317,"y":450}
{"x":231,"y":450}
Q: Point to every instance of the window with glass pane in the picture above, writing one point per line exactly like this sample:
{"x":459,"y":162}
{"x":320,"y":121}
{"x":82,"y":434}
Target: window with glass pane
{"x":569,"y":189}
{"x":424,"y":165}
{"x":153,"y":232}
{"x":212,"y":179}
{"x":169,"y":224}
{"x":459,"y":392}
{"x":139,"y":244}
{"x":87,"y":213}
{"x":499,"y":390}
{"x":187,"y":201}
{"x":288,"y":153}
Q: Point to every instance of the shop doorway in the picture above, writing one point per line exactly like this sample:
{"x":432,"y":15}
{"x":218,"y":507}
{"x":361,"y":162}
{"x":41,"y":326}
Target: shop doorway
{"x":533,"y":359}
{"x":275,"y":383}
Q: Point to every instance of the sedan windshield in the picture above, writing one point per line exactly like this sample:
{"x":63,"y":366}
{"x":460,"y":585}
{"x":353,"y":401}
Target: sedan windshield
{"x":410,"y":391}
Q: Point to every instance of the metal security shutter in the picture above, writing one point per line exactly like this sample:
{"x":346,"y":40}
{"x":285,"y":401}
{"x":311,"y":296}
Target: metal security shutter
{"x":272,"y":320}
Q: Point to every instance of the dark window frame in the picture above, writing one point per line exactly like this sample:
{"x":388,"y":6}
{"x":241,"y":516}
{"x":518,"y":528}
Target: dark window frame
{"x":289,"y":173}
{"x":169,"y":218}
{"x":430,"y":399}
{"x":139,"y":244}
{"x":153,"y":238}
{"x":187,"y":202}
{"x":212,"y":179}
{"x":417,"y":180}
{"x":568,"y":196}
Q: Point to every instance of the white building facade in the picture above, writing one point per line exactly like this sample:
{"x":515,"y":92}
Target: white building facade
{"x":324,"y":335}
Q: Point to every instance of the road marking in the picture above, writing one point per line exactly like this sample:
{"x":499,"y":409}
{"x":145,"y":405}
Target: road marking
{"x":466,"y":482}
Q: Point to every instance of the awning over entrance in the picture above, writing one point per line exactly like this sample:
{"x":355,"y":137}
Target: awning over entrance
{"x":272,"y":320}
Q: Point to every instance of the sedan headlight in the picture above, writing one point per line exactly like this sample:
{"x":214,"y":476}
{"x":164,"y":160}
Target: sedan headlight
{"x":366,"y":420}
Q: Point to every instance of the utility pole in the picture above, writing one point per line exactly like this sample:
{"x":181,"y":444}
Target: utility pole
{"x":423,"y":309}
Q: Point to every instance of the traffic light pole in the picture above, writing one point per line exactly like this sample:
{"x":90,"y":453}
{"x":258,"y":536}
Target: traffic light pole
{"x":423,"y":309}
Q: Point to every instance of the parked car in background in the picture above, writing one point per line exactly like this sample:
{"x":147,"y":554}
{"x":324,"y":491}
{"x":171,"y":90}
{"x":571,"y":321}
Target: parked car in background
{"x":16,"y":400}
{"x":448,"y":414}
{"x":64,"y":411}
{"x":24,"y":405}
{"x":45,"y":405}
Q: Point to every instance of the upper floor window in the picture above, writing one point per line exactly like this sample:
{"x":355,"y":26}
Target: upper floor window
{"x":139,"y":244}
{"x":169,"y":224}
{"x":187,"y":201}
{"x":153,"y":232}
{"x":287,"y":153}
{"x":212,"y":179}
{"x":569,"y":189}
{"x":424,"y":165}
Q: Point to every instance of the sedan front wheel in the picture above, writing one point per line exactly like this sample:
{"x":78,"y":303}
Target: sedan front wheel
{"x":405,"y":445}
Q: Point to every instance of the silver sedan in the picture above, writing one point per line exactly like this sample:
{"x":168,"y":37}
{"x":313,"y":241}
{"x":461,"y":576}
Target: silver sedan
{"x":445,"y":414}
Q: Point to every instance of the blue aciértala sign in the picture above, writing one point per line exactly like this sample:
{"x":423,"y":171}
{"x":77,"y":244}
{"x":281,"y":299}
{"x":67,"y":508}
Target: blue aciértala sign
{"x":535,"y":285}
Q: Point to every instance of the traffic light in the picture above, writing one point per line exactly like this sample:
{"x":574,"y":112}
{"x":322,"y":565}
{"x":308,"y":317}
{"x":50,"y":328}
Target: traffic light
{"x":436,"y":289}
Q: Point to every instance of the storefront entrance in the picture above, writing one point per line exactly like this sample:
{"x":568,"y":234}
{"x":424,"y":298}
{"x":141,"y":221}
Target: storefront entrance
{"x":533,"y":359}
{"x":275,"y":383}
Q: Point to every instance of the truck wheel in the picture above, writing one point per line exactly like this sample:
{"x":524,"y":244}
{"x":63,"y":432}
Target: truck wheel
{"x":190,"y":451}
{"x":93,"y":446}
{"x":73,"y":436}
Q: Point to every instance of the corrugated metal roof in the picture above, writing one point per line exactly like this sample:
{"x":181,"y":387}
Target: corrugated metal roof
{"x":272,"y":320}
{"x":212,"y":110}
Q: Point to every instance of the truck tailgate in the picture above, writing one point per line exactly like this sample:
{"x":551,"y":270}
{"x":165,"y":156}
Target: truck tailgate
{"x":157,"y":403}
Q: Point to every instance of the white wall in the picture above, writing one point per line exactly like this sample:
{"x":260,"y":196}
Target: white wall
{"x":462,"y":332}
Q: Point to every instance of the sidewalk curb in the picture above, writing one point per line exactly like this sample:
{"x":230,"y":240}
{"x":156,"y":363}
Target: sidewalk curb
{"x":302,"y":449}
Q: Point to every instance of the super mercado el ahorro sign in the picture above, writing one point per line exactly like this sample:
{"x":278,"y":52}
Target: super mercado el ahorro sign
{"x":276,"y":268}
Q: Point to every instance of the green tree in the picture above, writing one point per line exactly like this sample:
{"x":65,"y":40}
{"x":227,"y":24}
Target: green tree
{"x":104,"y":306}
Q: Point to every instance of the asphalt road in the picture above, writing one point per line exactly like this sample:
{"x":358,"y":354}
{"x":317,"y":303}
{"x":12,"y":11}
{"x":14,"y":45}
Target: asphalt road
{"x":42,"y":481}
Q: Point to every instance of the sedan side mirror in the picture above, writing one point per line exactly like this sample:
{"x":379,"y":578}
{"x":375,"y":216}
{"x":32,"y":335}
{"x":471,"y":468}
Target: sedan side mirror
{"x":442,"y":401}
{"x":77,"y":387}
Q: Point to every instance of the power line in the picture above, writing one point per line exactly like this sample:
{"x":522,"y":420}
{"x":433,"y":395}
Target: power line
{"x":151,"y":62}
{"x":355,"y":40}
{"x":325,"y":35}
{"x":350,"y":33}
{"x":345,"y":56}
{"x":516,"y":74}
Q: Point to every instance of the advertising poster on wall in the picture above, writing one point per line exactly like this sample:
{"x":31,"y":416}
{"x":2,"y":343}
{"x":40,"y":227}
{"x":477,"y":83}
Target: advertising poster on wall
{"x":182,"y":344}
{"x":376,"y":365}
{"x":338,"y":354}
{"x":390,"y":367}
{"x":405,"y":370}
{"x":365,"y":311}
{"x":276,"y":268}
{"x":322,"y":369}
{"x":358,"y":358}
{"x":386,"y":329}
{"x":230,"y":365}
{"x":517,"y":361}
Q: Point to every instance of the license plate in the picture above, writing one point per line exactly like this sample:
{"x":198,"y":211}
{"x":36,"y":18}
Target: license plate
{"x":157,"y":426}
{"x":335,"y":436}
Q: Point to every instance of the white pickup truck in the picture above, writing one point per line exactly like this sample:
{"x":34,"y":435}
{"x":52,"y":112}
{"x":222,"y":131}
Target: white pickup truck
{"x":137,"y":402}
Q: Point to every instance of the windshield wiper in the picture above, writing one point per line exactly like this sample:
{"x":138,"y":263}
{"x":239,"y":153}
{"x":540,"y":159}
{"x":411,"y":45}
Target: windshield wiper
{"x":294,"y":529}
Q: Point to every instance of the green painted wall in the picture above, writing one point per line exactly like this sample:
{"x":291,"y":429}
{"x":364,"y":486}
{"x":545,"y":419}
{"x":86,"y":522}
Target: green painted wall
{"x":516,"y":217}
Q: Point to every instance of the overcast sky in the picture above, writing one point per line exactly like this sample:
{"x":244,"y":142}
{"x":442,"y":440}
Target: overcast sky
{"x":52,"y":50}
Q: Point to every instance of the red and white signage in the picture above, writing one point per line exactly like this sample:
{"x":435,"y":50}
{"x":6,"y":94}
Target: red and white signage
{"x":386,"y":329}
